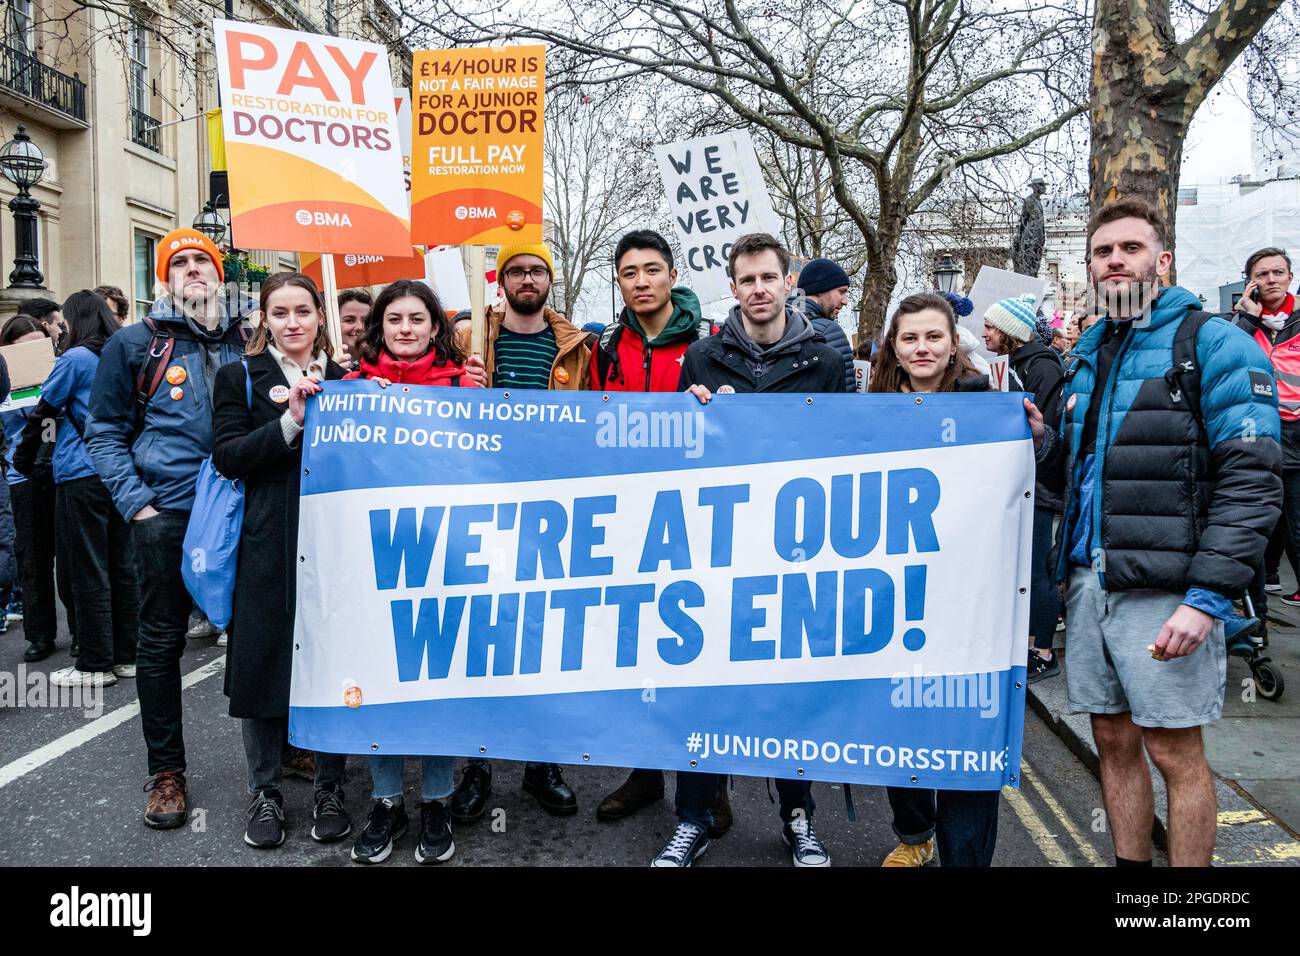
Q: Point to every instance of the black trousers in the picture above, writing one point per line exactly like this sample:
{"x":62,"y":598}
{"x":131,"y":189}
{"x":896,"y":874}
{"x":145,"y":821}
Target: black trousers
{"x":34,"y":542}
{"x":164,"y":619}
{"x":101,"y":565}
{"x":964,"y":823}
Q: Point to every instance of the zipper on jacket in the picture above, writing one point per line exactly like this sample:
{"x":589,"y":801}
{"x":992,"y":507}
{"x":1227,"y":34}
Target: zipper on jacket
{"x":1108,"y":401}
{"x":646,"y":362}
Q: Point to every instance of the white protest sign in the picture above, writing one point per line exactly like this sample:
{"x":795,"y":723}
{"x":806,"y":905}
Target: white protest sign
{"x":999,"y":373}
{"x":861,"y":375}
{"x":444,"y":269}
{"x":990,"y":286}
{"x":716,"y":194}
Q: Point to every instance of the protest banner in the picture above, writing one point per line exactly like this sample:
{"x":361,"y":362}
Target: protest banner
{"x":476,"y":173}
{"x":353,"y":271}
{"x":402,"y":98}
{"x":29,"y":363}
{"x":715,"y":194}
{"x":311,"y":142}
{"x":640,"y":582}
{"x":991,"y":285}
{"x":444,"y":269}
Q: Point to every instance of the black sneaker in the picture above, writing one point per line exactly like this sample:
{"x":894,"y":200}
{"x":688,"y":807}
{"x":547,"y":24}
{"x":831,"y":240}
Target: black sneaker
{"x":265,"y":820}
{"x":331,"y":821}
{"x":1040,"y":667}
{"x":805,"y":848}
{"x":1272,"y":583}
{"x":436,"y":844}
{"x":687,"y":845}
{"x":385,"y":825}
{"x":1292,"y":599}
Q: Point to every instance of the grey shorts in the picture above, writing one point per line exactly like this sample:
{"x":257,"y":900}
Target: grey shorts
{"x":1108,"y":669}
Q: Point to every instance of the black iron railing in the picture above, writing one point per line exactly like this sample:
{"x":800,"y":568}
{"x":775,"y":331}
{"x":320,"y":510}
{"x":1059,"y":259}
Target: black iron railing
{"x":145,"y":131}
{"x":23,"y":73}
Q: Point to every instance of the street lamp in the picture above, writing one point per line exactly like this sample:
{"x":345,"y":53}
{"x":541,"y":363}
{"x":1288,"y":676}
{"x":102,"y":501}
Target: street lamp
{"x":210,"y":223}
{"x":23,"y":164}
{"x":945,"y":273}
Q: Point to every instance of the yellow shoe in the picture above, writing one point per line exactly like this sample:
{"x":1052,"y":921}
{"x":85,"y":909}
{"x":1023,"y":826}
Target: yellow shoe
{"x":911,"y":854}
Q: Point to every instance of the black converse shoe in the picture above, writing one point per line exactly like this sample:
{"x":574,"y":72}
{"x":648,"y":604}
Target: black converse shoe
{"x":331,"y":821}
{"x":265,"y":820}
{"x":687,"y":845}
{"x":436,"y":844}
{"x":385,"y":825}
{"x":805,"y":848}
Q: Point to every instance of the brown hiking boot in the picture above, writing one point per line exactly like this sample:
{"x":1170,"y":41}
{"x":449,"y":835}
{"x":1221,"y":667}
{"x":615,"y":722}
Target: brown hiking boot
{"x":721,"y":810}
{"x":166,"y":807}
{"x":639,"y":790}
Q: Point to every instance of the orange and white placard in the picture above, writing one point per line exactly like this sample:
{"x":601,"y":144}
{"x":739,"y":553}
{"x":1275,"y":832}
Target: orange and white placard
{"x":476,"y":160}
{"x":312,"y":142}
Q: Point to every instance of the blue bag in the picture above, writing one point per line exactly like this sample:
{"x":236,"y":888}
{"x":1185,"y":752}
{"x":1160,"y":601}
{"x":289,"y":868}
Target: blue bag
{"x":211,"y":548}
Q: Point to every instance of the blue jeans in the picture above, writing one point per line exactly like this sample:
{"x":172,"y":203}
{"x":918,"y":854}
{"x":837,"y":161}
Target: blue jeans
{"x":435,"y":772}
{"x":965,"y":822}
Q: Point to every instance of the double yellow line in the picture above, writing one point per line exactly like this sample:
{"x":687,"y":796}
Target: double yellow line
{"x":1043,"y":838}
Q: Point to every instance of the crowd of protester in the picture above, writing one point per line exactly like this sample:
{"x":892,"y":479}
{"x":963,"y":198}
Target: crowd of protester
{"x":101,"y":470}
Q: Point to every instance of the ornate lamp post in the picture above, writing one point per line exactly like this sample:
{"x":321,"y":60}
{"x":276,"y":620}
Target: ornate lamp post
{"x":23,"y":164}
{"x":210,"y":223}
{"x":946,"y":272}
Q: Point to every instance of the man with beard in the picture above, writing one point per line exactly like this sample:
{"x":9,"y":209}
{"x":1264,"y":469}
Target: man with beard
{"x":1170,"y":444}
{"x":527,"y":345}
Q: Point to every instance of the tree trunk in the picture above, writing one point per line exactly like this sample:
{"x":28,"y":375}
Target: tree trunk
{"x":1138,"y":116}
{"x":882,"y":276}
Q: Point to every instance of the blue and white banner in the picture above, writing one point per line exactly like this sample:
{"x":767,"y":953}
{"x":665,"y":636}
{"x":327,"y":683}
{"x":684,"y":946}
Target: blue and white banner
{"x":832,"y":587}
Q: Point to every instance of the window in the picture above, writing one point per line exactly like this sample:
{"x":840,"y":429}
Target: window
{"x":144,"y":127}
{"x":145,"y":249}
{"x":21,"y":26}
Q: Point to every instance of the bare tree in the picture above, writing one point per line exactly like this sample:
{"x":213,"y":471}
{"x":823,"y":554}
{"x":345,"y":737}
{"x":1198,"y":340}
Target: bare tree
{"x":1147,"y":86}
{"x":894,"y":94}
{"x":600,"y":178}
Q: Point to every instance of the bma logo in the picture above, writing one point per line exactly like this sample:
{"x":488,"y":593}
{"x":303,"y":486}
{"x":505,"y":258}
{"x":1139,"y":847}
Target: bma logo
{"x":305,"y":217}
{"x":475,"y":212}
{"x":351,"y":260}
{"x":185,"y":241}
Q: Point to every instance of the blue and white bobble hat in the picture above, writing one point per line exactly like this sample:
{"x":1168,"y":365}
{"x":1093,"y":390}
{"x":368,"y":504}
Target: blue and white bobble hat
{"x":1016,"y":316}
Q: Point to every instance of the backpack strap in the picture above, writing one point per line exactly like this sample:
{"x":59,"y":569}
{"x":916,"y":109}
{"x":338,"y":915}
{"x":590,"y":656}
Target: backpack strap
{"x":1184,"y":377}
{"x":248,"y":384}
{"x":152,"y":370}
{"x":607,"y":351}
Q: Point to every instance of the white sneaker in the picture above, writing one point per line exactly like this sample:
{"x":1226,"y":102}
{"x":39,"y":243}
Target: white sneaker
{"x":204,"y":628}
{"x":71,"y":677}
{"x":222,"y":639}
{"x":124,"y":670}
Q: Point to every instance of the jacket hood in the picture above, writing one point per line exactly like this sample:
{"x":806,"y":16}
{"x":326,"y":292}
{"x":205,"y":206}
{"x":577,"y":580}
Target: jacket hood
{"x":165,"y":311}
{"x":683,"y":325}
{"x":1034,"y":349}
{"x":797,"y":331}
{"x":1170,"y":306}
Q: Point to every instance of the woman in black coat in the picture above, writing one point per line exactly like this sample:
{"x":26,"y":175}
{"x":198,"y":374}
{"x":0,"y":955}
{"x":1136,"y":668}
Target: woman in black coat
{"x":257,"y":438}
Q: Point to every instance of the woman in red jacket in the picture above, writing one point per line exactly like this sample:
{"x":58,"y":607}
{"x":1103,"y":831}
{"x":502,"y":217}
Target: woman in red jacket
{"x":408,"y":341}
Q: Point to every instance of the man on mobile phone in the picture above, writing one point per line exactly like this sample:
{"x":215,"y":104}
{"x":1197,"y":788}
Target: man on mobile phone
{"x":1267,"y":312}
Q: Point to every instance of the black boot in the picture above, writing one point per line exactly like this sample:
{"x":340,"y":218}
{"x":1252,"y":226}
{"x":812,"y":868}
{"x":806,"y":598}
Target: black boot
{"x":469,"y":802}
{"x":544,"y":782}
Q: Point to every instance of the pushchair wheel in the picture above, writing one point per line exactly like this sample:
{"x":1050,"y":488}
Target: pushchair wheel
{"x":1268,"y":682}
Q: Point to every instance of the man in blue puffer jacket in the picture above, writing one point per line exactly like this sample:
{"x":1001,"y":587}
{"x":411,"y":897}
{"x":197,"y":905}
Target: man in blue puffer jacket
{"x":825,"y":288}
{"x":147,"y":450}
{"x":1172,"y":483}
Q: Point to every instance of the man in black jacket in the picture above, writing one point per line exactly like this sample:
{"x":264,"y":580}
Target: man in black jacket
{"x":763,"y":347}
{"x":1036,"y":369}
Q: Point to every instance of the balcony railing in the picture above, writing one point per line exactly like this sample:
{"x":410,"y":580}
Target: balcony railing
{"x":24,"y":74}
{"x":145,"y":131}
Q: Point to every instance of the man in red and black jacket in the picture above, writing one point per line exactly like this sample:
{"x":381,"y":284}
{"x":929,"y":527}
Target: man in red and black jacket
{"x":1267,"y":313}
{"x":643,"y":352}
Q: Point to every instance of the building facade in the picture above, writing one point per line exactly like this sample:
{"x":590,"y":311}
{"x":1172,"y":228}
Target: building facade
{"x":116,"y":98}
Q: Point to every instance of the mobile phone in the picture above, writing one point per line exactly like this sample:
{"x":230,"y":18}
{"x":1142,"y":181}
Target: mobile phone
{"x":1254,"y":293}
